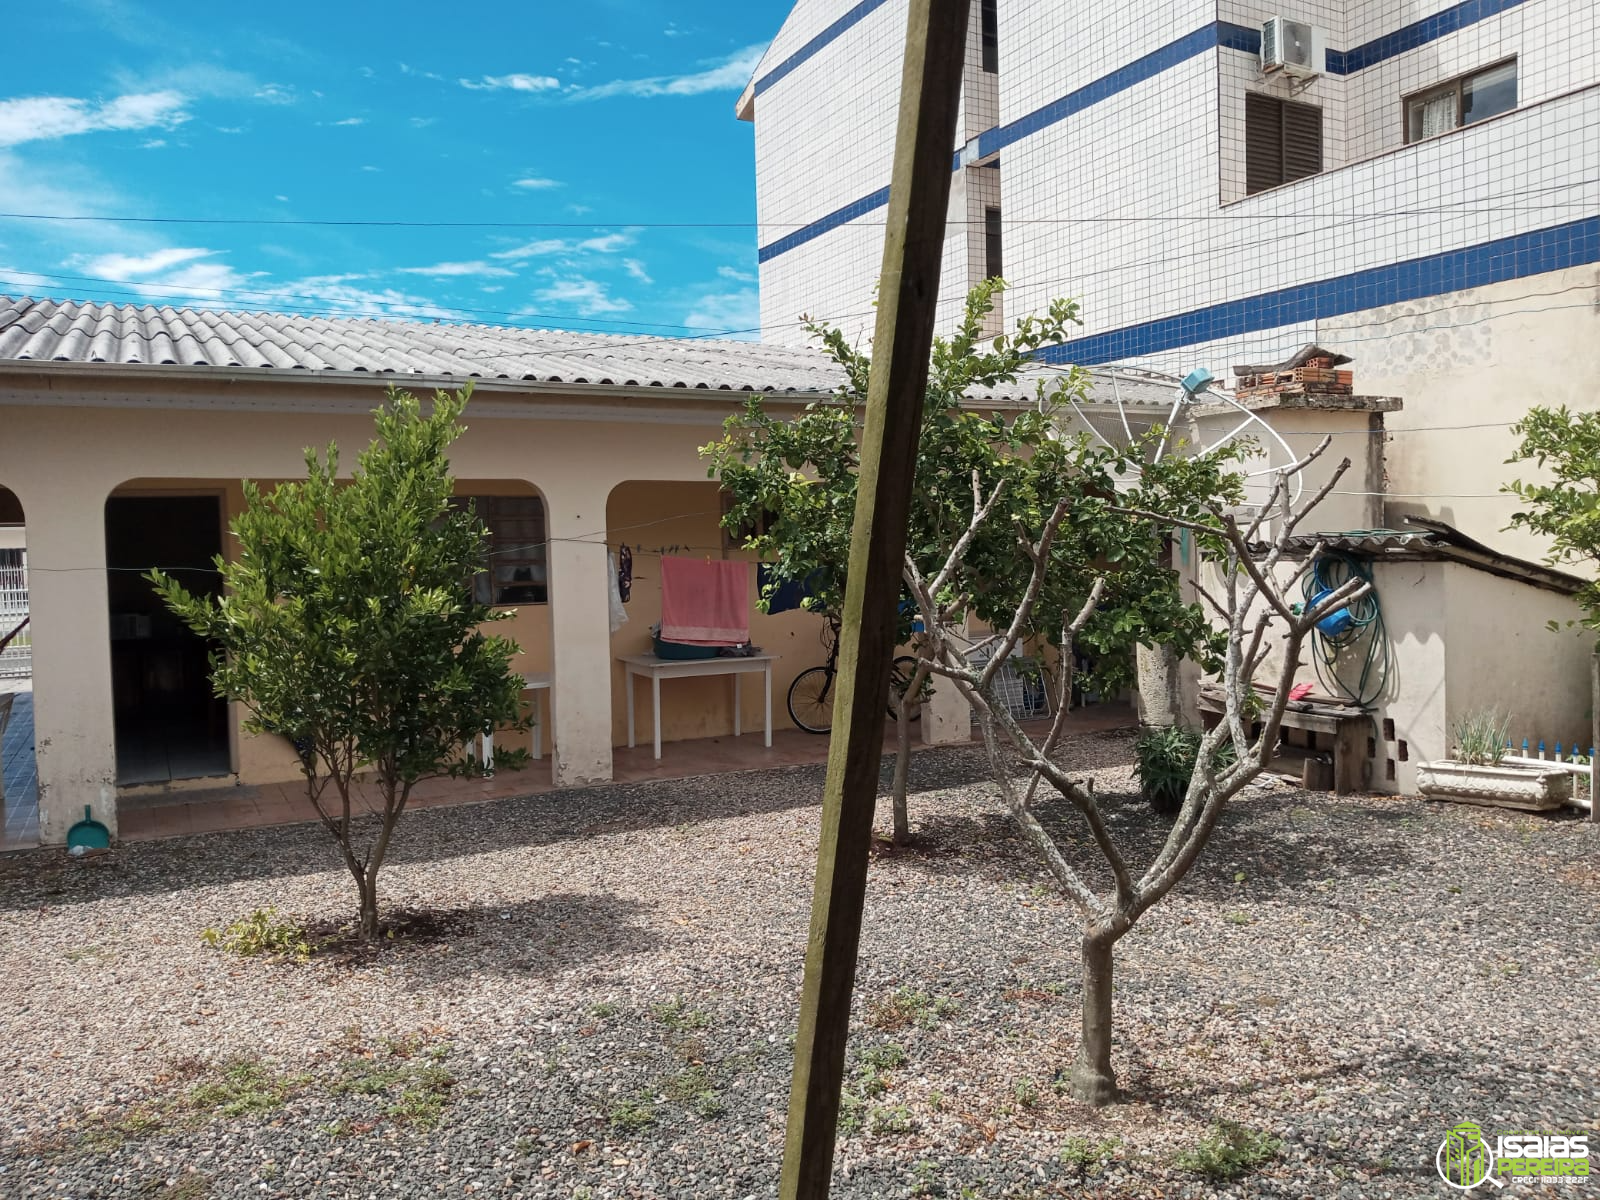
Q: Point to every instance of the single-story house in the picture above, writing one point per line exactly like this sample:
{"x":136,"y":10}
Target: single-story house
{"x":125,"y":432}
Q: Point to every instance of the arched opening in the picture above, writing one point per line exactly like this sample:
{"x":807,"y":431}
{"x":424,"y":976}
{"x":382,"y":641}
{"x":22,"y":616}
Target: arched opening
{"x":19,"y":778}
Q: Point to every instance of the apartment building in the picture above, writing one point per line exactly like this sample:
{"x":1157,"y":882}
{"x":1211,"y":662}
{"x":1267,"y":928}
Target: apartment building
{"x":1412,"y":183}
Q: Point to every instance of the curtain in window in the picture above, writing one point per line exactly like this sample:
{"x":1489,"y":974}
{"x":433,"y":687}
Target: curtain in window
{"x":1438,"y":114}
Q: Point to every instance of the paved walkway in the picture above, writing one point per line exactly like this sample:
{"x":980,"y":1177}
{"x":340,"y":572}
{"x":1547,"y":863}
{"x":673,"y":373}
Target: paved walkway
{"x":19,"y":814}
{"x":176,"y":813}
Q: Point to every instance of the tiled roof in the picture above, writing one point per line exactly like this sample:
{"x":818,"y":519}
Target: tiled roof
{"x":129,"y":336}
{"x":69,"y":332}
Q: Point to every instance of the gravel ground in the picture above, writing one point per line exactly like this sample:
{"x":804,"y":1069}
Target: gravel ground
{"x":612,"y":1016}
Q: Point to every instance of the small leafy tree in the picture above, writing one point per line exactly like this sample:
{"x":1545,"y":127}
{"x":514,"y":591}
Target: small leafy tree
{"x":800,"y":475}
{"x":1567,"y":511}
{"x":347,"y":625}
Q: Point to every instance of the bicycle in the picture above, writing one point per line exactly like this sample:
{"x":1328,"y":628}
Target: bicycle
{"x":811,"y":693}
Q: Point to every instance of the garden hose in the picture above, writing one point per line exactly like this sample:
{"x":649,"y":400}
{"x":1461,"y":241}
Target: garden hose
{"x":1356,"y":629}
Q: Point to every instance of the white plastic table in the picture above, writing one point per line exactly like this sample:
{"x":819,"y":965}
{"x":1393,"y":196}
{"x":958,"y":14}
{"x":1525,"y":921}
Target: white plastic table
{"x":535,"y":683}
{"x":658,"y":669}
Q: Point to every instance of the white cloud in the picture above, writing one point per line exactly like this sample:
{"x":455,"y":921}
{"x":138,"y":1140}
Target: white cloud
{"x":731,"y":74}
{"x":370,"y":167}
{"x":230,"y":128}
{"x":540,"y":248}
{"x":606,"y":243}
{"x":534,"y":183}
{"x":43,"y":118}
{"x":449,"y":269}
{"x":516,"y":83}
{"x":408,"y":69}
{"x":131,"y":266}
{"x":275,"y":93}
{"x":284,"y":199}
{"x":733,"y":313}
{"x":587,"y":296}
{"x":636,"y":269}
{"x":153,"y":144}
{"x":422,"y":122}
{"x":352,"y":121}
{"x":736,"y":274}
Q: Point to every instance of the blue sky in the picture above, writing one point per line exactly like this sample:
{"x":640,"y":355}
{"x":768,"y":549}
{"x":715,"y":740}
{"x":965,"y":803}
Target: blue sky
{"x":608,"y":115}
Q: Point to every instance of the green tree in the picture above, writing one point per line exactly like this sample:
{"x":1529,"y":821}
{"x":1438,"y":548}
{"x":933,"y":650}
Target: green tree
{"x":347,"y":625}
{"x":800,"y":475}
{"x":1566,"y":509}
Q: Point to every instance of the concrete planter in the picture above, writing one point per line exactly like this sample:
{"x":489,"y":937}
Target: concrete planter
{"x":1531,"y":789}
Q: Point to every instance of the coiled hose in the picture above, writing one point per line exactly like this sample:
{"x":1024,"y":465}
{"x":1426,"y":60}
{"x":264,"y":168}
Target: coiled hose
{"x":1355,"y":629}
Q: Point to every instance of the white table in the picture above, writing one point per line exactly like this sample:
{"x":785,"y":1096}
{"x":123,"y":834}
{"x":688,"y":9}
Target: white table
{"x":658,"y":669}
{"x":535,"y":683}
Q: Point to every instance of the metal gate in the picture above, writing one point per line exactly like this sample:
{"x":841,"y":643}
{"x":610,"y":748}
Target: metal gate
{"x":17,"y":658}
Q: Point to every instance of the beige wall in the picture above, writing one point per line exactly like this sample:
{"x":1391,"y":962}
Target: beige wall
{"x":1464,"y":385}
{"x":71,"y":440}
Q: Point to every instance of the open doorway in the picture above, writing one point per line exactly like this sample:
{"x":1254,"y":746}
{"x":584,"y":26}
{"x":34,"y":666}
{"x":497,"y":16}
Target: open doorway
{"x":169,"y":725}
{"x":19,"y":780}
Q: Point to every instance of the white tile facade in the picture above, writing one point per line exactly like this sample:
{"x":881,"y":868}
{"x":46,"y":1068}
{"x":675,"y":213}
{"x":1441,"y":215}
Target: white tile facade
{"x":1135,"y":201}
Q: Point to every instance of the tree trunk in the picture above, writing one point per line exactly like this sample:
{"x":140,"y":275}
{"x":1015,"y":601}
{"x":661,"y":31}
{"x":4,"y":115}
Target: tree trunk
{"x":902,"y":773}
{"x":1160,"y":688}
{"x":369,"y":906}
{"x":1092,"y":1080}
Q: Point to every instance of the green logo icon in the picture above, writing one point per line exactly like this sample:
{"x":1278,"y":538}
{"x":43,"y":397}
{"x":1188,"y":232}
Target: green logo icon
{"x":1464,"y":1159}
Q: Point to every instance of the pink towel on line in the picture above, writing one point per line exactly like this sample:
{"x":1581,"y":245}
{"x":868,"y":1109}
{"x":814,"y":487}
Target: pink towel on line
{"x":705,"y":603}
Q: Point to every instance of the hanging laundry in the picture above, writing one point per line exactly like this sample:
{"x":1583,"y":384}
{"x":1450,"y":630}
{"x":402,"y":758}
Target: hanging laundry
{"x":705,"y":602}
{"x":619,"y":615}
{"x":625,"y":573}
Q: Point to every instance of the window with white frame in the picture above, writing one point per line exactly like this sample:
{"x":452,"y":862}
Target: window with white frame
{"x":1463,"y":101}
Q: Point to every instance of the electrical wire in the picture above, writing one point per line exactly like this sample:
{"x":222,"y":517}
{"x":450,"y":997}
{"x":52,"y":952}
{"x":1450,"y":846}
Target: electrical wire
{"x":627,"y":225}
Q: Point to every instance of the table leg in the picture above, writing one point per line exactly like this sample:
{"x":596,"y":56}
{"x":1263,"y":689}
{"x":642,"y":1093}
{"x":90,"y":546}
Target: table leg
{"x":767,"y":674}
{"x":628,"y":675}
{"x":736,"y":698}
{"x":538,"y":723}
{"x":655,"y":700}
{"x":486,"y":751}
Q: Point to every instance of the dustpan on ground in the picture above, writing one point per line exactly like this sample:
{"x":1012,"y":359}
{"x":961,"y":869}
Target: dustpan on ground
{"x":88,"y":833}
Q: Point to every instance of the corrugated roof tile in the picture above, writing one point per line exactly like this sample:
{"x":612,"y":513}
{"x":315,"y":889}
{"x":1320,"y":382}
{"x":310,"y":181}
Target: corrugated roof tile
{"x":118,"y":336}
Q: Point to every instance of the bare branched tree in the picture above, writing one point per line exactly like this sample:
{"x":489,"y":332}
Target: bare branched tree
{"x":1251,"y":603}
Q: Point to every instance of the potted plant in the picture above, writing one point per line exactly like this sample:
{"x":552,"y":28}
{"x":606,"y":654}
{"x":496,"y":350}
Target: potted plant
{"x":1477,"y":774}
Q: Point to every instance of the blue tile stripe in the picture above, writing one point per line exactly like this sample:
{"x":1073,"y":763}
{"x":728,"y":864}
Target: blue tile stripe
{"x":1219,"y":33}
{"x":838,"y":217}
{"x":1418,"y":33}
{"x":845,"y":23}
{"x":1573,"y":244}
{"x":1120,"y":80}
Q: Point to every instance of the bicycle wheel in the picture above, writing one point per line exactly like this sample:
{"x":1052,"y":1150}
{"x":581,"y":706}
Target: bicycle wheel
{"x":901,"y":673}
{"x":811,"y":700}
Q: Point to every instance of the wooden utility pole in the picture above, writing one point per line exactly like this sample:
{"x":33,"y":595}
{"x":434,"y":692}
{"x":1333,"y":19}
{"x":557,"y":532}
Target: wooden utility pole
{"x":930,"y":95}
{"x":1594,"y":737}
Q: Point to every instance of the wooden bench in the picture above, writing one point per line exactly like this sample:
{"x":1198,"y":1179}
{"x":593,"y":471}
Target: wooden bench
{"x":1346,"y":725}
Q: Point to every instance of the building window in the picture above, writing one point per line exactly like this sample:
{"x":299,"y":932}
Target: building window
{"x":518,"y":571}
{"x":991,"y":243}
{"x":989,"y":21}
{"x":1463,"y":101}
{"x":1282,"y":141}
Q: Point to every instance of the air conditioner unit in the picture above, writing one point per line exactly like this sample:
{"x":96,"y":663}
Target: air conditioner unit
{"x":1292,"y":47}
